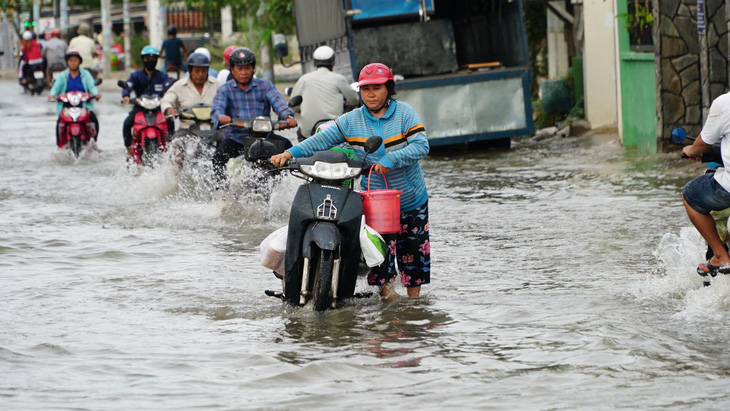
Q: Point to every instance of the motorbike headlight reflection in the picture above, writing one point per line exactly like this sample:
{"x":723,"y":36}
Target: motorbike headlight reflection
{"x":149,"y":103}
{"x":330,"y":171}
{"x":262,"y":125}
{"x":74,"y":99}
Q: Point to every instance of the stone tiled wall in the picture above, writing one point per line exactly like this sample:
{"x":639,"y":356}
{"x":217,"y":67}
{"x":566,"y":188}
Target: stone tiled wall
{"x":691,"y":70}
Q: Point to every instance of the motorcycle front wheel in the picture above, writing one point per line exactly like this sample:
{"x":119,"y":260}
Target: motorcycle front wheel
{"x":76,"y":145}
{"x":323,"y":281}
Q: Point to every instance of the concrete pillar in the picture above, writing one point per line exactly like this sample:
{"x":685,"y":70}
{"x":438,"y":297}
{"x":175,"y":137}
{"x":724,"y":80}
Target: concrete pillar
{"x":599,"y":62}
{"x":106,"y":35}
{"x":226,"y":25}
{"x":557,"y":47}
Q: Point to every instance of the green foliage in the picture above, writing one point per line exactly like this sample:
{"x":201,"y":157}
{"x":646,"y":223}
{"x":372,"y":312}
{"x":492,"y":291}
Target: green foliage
{"x":536,"y":26}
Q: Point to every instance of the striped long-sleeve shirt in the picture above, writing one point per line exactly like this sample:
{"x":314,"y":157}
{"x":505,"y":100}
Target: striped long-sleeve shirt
{"x":405,"y":143}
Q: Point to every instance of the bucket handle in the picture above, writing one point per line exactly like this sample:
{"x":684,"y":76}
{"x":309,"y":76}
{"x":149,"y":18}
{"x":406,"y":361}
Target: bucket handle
{"x":371,"y":172}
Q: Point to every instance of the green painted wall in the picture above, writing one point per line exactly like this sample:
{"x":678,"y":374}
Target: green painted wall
{"x":638,"y":92}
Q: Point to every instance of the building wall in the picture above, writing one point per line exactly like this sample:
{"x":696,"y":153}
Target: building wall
{"x":599,"y":59}
{"x":692,"y":68}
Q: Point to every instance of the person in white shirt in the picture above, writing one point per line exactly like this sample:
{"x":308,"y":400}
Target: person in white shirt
{"x":324,"y":92}
{"x":85,"y":46}
{"x":711,"y":191}
{"x":189,"y":91}
{"x":225,"y":74}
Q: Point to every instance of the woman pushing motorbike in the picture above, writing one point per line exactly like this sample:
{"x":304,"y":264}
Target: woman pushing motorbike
{"x":405,"y":143}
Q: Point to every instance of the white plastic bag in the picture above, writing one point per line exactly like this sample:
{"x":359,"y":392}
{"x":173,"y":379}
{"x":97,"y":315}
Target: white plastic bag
{"x":273,"y":250}
{"x":372,"y":245}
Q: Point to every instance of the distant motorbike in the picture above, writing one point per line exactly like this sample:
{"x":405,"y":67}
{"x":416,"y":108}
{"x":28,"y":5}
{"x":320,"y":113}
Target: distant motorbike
{"x":75,"y":127}
{"x":323,"y":246}
{"x":713,"y":158}
{"x":173,"y":71}
{"x":36,"y":80}
{"x":150,"y":129}
{"x":55,"y":70}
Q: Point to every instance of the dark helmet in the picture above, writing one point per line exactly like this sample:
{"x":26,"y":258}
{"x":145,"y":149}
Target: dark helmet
{"x":73,"y":53}
{"x":172,"y":30}
{"x":198,"y":60}
{"x":242,"y":57}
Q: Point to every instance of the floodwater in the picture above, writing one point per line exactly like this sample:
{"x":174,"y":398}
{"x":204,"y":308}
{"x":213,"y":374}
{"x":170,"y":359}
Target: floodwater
{"x":563,"y":277}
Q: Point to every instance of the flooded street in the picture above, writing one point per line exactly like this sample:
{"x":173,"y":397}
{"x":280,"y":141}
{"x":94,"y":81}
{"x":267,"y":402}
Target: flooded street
{"x":563,"y":277}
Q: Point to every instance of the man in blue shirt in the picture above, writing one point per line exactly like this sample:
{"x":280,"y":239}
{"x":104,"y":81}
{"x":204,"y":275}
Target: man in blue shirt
{"x":246,"y":97}
{"x":171,"y":50}
{"x":148,"y":80}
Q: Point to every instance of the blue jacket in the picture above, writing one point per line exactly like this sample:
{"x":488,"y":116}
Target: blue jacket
{"x":59,"y":87}
{"x":142,"y":84}
{"x":404,"y":144}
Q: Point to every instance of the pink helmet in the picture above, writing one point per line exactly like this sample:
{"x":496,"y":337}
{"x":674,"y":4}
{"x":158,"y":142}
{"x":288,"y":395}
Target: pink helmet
{"x":374,"y":73}
{"x":227,"y":53}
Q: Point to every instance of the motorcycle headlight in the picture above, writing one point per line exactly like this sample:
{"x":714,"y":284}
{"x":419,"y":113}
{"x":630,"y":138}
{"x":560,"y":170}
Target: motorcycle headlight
{"x":149,"y":103}
{"x":261,"y":125}
{"x":74,"y":99}
{"x":330,"y":171}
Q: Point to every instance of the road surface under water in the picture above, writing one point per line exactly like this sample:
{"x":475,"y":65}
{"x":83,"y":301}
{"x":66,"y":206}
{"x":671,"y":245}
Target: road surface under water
{"x":563,"y":277}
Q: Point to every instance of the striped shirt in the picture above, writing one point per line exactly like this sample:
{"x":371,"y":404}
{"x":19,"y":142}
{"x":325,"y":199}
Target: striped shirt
{"x":257,"y":100}
{"x":405,"y":143}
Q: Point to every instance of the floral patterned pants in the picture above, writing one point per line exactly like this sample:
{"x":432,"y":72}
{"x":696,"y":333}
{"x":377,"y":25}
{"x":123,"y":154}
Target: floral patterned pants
{"x":411,"y":248}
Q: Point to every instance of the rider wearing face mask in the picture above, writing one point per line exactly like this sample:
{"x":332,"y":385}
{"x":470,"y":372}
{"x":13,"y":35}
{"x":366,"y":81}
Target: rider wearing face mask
{"x":148,"y":80}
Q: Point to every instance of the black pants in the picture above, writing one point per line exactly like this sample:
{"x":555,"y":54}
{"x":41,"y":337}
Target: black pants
{"x":92,"y":117}
{"x":228,"y":149}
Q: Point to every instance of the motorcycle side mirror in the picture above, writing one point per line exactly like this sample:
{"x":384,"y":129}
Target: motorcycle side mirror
{"x":372,"y":144}
{"x":123,"y":84}
{"x":295,"y":101}
{"x":97,"y":81}
{"x":281,"y":47}
{"x":288,"y":90}
{"x":679,"y":134}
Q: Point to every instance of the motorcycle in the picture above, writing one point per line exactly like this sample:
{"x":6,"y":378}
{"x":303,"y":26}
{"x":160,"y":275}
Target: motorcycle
{"x":323,"y":246}
{"x":173,"y":71}
{"x":55,"y":70}
{"x":36,"y":81}
{"x":150,"y":129}
{"x":258,"y":149}
{"x":200,"y":140}
{"x":713,"y":158}
{"x":75,"y":127}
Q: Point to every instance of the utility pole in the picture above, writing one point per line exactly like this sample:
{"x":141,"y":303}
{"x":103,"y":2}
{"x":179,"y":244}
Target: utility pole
{"x":127,"y":37}
{"x":64,"y":19}
{"x":154,"y":22}
{"x":106,"y":32}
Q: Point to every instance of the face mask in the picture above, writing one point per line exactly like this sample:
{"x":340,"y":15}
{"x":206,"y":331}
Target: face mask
{"x":150,"y":65}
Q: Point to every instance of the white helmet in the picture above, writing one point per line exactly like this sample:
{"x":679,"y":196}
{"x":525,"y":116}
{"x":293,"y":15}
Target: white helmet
{"x":204,"y":51}
{"x":27,"y":35}
{"x":323,"y":56}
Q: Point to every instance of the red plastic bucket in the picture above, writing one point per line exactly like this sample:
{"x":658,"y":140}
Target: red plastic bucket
{"x":382,"y":208}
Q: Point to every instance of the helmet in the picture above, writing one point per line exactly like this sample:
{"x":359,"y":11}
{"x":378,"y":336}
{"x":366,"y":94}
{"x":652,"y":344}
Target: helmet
{"x":83,"y":28}
{"x":172,"y":30}
{"x":27,"y":35}
{"x":198,"y":59}
{"x":56,"y":33}
{"x":324,"y":56}
{"x":204,"y":51}
{"x":242,"y":57}
{"x":227,"y":53}
{"x":374,"y":73}
{"x":150,"y":51}
{"x":73,"y":53}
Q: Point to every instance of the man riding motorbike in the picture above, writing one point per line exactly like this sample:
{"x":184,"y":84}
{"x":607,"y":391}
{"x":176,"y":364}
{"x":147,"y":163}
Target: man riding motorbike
{"x":225,"y":74}
{"x":75,"y":79}
{"x":55,"y":54}
{"x":246,"y":97}
{"x":324,"y":92}
{"x":148,"y":80}
{"x":30,"y":55}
